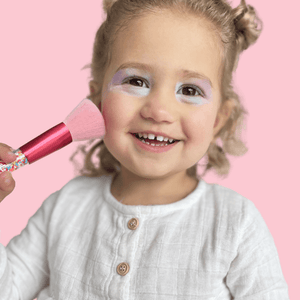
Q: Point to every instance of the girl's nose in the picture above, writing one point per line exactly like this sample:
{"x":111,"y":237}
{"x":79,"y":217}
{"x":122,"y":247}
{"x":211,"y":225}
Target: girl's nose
{"x":160,"y":107}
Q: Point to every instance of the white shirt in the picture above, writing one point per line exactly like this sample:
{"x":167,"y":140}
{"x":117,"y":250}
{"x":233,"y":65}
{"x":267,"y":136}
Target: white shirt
{"x":213,"y":244}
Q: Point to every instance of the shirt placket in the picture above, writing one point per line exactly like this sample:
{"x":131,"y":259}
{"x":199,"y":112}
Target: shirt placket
{"x":119,"y":287}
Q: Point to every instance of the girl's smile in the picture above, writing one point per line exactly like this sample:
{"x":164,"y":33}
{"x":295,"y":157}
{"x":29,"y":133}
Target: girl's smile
{"x":153,"y":143}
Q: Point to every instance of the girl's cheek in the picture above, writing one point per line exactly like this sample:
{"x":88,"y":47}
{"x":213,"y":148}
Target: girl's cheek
{"x":110,"y":111}
{"x":118,"y":110}
{"x":118,"y":106}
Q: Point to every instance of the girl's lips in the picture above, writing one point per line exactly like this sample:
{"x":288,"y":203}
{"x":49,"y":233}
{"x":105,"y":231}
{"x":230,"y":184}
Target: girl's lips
{"x":155,"y":149}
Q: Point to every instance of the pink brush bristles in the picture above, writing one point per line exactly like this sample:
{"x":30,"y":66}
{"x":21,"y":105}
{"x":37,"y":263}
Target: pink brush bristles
{"x":85,"y":122}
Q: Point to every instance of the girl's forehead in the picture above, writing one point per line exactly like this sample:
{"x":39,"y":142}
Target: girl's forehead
{"x":159,"y":44}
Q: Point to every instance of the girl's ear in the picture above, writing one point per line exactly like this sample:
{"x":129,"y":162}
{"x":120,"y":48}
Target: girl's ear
{"x":94,"y":90}
{"x":223,"y":115}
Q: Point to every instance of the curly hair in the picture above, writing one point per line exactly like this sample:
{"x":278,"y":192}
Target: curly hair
{"x":237,"y":28}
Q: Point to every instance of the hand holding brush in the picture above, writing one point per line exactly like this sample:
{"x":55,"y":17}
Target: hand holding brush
{"x":83,"y":123}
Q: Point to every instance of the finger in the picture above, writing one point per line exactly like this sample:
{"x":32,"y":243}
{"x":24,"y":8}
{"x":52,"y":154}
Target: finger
{"x":7,"y":184}
{"x":6,"y":153}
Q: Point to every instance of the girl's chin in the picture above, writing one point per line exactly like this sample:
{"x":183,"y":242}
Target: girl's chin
{"x":150,"y":172}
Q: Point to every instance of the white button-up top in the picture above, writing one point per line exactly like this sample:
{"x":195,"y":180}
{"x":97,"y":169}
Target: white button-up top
{"x":213,"y":244}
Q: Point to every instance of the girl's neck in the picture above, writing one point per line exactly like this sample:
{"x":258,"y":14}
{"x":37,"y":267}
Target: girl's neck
{"x":132,"y":190}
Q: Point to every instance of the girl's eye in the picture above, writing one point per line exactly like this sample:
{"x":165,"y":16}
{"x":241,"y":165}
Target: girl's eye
{"x":136,"y":81}
{"x":191,"y":90}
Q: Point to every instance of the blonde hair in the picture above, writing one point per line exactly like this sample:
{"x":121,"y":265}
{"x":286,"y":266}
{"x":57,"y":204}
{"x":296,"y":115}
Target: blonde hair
{"x":237,"y":29}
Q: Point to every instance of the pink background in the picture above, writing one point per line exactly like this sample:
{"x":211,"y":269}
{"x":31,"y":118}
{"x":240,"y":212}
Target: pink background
{"x":44,"y":45}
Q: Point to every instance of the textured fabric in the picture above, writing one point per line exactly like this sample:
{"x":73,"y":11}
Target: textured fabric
{"x":213,"y":244}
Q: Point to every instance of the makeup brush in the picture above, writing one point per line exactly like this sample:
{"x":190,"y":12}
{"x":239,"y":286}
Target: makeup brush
{"x":83,"y":123}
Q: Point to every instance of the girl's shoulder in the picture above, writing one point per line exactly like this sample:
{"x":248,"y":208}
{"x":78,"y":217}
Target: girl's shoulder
{"x":83,"y":183}
{"x":224,"y":195}
{"x":78,"y":194}
{"x":236,"y":205}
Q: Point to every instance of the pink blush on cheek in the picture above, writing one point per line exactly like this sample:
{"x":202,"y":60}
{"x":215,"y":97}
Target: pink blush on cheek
{"x":116,"y":112}
{"x":106,"y":113}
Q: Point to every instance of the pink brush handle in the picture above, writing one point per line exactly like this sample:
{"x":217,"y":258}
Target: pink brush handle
{"x":52,"y":140}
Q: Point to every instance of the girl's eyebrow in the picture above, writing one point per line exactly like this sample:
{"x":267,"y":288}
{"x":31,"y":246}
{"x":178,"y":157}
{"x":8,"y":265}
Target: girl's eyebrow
{"x":186,"y":73}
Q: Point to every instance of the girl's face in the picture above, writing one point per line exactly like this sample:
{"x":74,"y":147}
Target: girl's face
{"x":163,"y":52}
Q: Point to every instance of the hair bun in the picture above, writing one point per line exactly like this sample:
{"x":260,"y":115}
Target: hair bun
{"x":107,"y":5}
{"x":246,"y":22}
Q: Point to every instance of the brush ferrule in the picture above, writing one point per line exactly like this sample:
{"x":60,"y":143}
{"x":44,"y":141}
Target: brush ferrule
{"x":48,"y":142}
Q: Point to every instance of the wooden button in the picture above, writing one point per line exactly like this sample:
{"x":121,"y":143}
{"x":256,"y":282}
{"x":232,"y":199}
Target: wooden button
{"x":123,"y":269}
{"x":133,"y":223}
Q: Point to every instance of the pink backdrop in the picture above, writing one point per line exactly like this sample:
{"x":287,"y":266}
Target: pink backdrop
{"x":44,"y":45}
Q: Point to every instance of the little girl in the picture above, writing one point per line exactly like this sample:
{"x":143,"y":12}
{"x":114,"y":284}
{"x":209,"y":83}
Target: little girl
{"x":143,"y":224}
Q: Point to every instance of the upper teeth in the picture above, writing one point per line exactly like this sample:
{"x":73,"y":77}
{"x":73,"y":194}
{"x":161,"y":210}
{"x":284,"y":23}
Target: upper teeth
{"x":151,"y":136}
